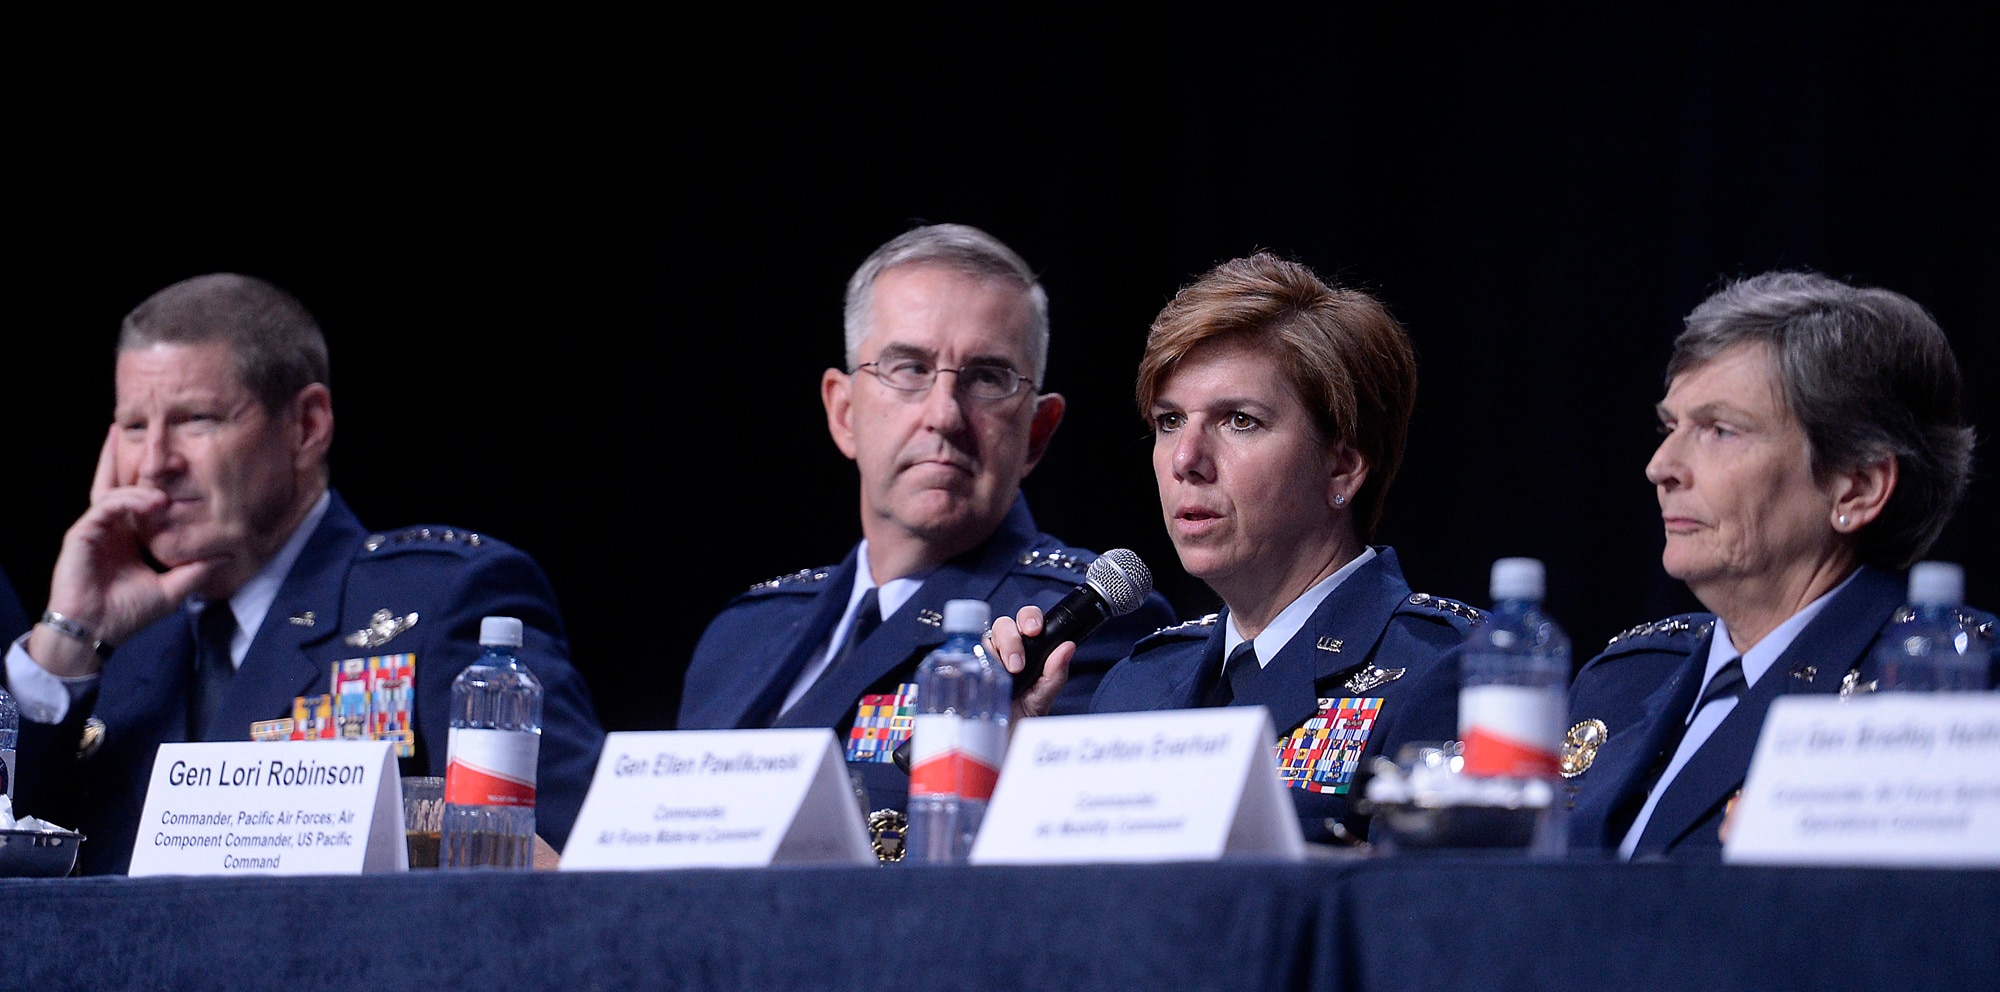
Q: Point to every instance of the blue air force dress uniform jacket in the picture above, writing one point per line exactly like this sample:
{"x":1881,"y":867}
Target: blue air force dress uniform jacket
{"x":426,"y":587}
{"x":1629,"y":707}
{"x":1374,"y":659}
{"x":753,"y":651}
{"x":13,"y":619}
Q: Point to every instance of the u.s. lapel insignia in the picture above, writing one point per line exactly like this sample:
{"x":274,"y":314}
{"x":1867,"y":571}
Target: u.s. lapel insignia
{"x":305,"y":619}
{"x":1851,"y":684}
{"x":383,"y":627}
{"x":930,"y":618}
{"x":1371,"y":677}
{"x":1580,"y":746}
{"x":1330,"y":644}
{"x":1806,"y":672}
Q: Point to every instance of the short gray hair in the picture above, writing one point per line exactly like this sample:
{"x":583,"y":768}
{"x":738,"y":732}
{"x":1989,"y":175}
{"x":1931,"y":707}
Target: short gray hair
{"x":1868,"y":373}
{"x":274,"y":342}
{"x":961,"y":248}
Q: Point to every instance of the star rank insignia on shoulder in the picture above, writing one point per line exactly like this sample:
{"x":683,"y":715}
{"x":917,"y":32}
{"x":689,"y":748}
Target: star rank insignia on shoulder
{"x":1058,"y":559}
{"x":422,"y":535}
{"x":1198,"y":626}
{"x":1694,"y":624}
{"x":804,"y":578}
{"x":1444,"y":605}
{"x":1187,"y":630}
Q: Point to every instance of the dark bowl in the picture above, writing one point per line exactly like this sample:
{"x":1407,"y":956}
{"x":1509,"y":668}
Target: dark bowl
{"x":38,"y":853}
{"x":1447,"y":827}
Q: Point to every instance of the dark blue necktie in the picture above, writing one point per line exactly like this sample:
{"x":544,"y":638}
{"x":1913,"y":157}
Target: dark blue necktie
{"x":213,"y":669}
{"x":1239,"y":675}
{"x":1728,"y":683}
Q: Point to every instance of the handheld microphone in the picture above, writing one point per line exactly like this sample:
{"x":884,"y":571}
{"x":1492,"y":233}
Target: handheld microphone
{"x":1114,"y":585}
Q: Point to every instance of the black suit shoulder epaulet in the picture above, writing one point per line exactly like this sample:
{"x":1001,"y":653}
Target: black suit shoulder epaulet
{"x":801,"y":581}
{"x":1443,"y":608}
{"x":1187,"y":630}
{"x":1678,"y":633}
{"x":1056,"y":561}
{"x":434,"y":539}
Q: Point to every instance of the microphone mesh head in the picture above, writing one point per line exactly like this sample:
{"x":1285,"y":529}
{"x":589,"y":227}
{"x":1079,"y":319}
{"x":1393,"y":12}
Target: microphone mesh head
{"x":1122,"y":579}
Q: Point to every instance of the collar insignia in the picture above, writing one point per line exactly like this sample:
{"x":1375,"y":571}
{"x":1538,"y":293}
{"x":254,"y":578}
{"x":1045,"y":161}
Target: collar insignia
{"x":930,"y":618}
{"x":1330,"y":644}
{"x":1806,"y":672}
{"x":1370,"y":677}
{"x":1851,"y":684}
{"x":302,"y":620}
{"x":383,"y":627}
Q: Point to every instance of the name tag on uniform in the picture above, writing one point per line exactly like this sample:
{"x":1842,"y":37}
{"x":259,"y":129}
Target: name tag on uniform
{"x":276,"y":808}
{"x":1173,"y":785}
{"x":1886,"y":779}
{"x":718,"y":798}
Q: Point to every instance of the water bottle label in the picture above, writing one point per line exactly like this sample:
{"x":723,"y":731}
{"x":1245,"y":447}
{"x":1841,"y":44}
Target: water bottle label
{"x":491,"y":767}
{"x":953,"y":756}
{"x":1511,"y":730}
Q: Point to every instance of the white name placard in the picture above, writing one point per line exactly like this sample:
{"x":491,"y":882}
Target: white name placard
{"x":1885,"y":779}
{"x":277,"y":808}
{"x":718,"y":798}
{"x":1174,"y":785}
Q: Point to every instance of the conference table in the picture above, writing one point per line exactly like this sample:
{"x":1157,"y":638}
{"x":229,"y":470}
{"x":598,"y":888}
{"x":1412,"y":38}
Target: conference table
{"x":1413,"y":921}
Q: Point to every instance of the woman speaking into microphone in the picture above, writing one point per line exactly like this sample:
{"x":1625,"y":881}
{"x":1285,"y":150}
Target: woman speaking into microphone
{"x":1279,"y":408}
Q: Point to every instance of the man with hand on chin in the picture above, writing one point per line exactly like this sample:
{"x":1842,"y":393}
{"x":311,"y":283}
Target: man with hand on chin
{"x":215,"y":577}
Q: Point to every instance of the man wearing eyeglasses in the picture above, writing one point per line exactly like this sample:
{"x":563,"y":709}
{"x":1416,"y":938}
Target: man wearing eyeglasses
{"x":941,"y":411}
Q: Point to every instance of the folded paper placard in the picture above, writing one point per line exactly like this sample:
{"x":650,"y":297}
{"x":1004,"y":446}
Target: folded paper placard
{"x":1176,"y":785}
{"x":718,"y":798}
{"x":1884,"y":779}
{"x":275,"y":808}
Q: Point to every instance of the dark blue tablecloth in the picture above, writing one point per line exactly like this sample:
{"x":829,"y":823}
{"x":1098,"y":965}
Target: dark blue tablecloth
{"x":1408,"y":923}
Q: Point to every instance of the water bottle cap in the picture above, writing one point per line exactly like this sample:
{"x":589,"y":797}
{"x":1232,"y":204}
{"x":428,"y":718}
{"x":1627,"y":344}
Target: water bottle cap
{"x":500,"y":631}
{"x":966,"y":616}
{"x":1937,"y":583}
{"x":1517,"y":578}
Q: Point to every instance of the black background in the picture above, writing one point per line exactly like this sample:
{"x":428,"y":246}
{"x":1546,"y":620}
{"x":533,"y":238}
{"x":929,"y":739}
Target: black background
{"x":580,"y":279}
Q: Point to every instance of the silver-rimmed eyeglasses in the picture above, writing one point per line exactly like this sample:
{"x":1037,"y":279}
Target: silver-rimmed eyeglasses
{"x":914,"y":375}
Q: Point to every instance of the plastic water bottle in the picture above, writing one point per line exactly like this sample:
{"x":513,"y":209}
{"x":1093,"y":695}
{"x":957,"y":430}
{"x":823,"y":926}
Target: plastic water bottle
{"x":1932,"y":651}
{"x":957,"y":739}
{"x":496,"y":735}
{"x":1515,"y":670}
{"x":10,"y":732}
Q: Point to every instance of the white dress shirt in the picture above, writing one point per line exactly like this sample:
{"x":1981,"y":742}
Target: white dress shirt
{"x":1292,"y":618}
